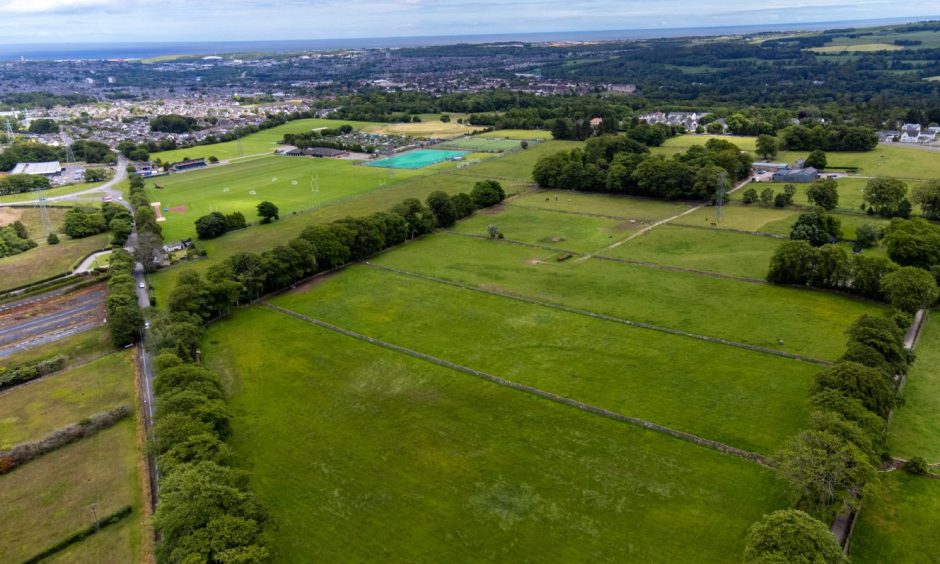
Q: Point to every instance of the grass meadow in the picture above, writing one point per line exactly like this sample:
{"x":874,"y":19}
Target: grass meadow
{"x":708,"y":250}
{"x":520,"y":134}
{"x":625,"y":369}
{"x":34,"y":411}
{"x":899,"y":522}
{"x":809,"y":322}
{"x":50,"y":498}
{"x":915,"y":427}
{"x":292,"y":183}
{"x":395,"y":459}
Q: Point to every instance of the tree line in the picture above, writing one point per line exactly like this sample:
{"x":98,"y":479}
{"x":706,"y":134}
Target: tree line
{"x":30,"y":151}
{"x":149,"y":248}
{"x":125,"y":318}
{"x":244,"y":277}
{"x":829,"y":465}
{"x":622,"y":165}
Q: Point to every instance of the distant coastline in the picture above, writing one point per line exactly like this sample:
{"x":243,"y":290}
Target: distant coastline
{"x":145,"y":50}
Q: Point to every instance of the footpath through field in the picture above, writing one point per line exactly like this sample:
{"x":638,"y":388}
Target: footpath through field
{"x":633,"y":236}
{"x":708,"y":443}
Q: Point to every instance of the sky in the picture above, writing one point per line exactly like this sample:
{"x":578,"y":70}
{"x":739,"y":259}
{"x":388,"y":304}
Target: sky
{"x":65,"y":21}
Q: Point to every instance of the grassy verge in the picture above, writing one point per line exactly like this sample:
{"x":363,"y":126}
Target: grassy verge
{"x":364,"y":454}
{"x":78,"y":348}
{"x":47,"y":260}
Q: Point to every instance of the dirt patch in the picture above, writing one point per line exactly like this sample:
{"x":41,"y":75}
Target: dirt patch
{"x":9,"y":215}
{"x":534,"y":261}
{"x":629,"y":225}
{"x":493,"y":210}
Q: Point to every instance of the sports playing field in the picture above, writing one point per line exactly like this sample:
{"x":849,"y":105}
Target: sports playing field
{"x":292,"y":183}
{"x":417,"y":159}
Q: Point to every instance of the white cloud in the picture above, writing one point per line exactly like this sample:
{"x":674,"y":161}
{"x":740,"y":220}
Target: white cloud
{"x":51,"y":6}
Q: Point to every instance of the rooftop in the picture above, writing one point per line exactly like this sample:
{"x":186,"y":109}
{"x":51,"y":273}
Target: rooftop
{"x":52,"y":167}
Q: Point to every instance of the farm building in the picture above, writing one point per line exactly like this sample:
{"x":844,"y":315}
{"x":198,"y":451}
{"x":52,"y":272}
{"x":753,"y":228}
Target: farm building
{"x":292,"y":152}
{"x":143,"y":168}
{"x":50,"y":168}
{"x":799,"y":175}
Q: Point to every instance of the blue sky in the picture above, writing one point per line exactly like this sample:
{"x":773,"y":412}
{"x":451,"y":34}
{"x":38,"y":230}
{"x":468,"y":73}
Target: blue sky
{"x":45,"y":21}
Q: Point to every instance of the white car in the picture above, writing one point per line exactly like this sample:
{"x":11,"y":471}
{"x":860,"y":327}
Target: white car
{"x":141,"y":285}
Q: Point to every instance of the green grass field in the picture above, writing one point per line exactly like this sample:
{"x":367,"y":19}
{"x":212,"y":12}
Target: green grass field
{"x":673,"y":144}
{"x":915,"y":427}
{"x":564,"y":231}
{"x":623,"y":207}
{"x":50,"y":498}
{"x":628,"y":370}
{"x":32,"y":412}
{"x":709,"y":250}
{"x":262,"y":142}
{"x":260,"y":238}
{"x":481,"y":144}
{"x":899,"y":523}
{"x":47,"y":260}
{"x":899,"y":161}
{"x":809,"y":323}
{"x":395,"y":459}
{"x":292,"y":183}
{"x":520,"y":134}
{"x":52,"y":192}
{"x":451,"y":180}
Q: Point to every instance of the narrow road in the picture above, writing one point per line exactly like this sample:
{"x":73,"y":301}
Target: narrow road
{"x":146,"y":375}
{"x":106,"y":189}
{"x":88,"y":263}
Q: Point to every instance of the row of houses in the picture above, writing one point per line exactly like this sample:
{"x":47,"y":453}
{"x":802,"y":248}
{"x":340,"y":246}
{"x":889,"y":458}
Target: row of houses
{"x":910,"y":133}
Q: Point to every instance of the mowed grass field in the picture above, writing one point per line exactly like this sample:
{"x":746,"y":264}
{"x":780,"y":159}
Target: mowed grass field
{"x":262,"y":142}
{"x":399,"y":460}
{"x":31,"y":412}
{"x":292,"y":183}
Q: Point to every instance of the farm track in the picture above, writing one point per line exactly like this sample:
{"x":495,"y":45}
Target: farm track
{"x":604,"y":317}
{"x":681,"y":435}
{"x":49,"y":318}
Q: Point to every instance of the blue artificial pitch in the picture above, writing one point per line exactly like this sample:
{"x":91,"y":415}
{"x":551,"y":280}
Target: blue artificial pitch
{"x":419,"y":158}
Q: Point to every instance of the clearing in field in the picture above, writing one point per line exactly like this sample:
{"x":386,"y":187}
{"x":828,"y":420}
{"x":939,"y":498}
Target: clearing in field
{"x":858,"y":48}
{"x":473,"y":468}
{"x":419,"y":158}
{"x":292,"y":183}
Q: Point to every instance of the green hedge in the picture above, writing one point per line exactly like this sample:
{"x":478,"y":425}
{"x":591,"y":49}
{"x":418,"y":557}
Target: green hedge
{"x":111,"y":519}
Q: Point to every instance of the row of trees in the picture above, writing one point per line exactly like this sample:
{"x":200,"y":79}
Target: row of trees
{"x":173,"y":123}
{"x":244,"y":277}
{"x":830,"y":266}
{"x":618,"y":164}
{"x":20,"y":183}
{"x":828,"y":138}
{"x":207,"y":512}
{"x":124,"y":315}
{"x":828,"y":465}
{"x":149,"y":234}
{"x":216,"y":224}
